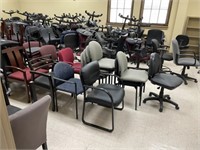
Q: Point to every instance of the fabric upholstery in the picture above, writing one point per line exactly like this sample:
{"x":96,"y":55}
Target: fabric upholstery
{"x":49,"y":49}
{"x":167,"y":81}
{"x":68,"y":87}
{"x":29,"y":124}
{"x":134,"y":75}
{"x":63,"y":71}
{"x":101,"y":98}
{"x":95,"y":50}
{"x":123,"y":63}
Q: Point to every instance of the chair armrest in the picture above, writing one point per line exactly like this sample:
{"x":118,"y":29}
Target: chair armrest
{"x":15,"y":68}
{"x":101,"y":89}
{"x":29,"y":124}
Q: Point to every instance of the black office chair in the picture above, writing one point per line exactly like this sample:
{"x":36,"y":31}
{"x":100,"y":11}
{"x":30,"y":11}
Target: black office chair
{"x":186,"y":59}
{"x":106,"y":95}
{"x":163,"y":79}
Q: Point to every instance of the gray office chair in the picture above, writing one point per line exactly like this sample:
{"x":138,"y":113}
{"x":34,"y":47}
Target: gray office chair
{"x":185,"y":58}
{"x":129,"y":76}
{"x":162,"y":79}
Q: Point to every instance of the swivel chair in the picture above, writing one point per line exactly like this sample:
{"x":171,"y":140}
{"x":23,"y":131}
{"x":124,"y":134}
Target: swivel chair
{"x":183,"y":41}
{"x":162,"y":79}
{"x":186,"y":59}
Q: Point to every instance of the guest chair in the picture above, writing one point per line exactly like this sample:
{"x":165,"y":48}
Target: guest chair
{"x":162,"y":79}
{"x":63,"y":75}
{"x":66,"y":55}
{"x":183,"y":41}
{"x":71,"y":40}
{"x":29,"y":125}
{"x":16,"y":69}
{"x":96,"y":54}
{"x":106,"y":95}
{"x":129,"y":76}
{"x":32,"y":48}
{"x":186,"y":59}
{"x":43,"y":79}
{"x":49,"y":50}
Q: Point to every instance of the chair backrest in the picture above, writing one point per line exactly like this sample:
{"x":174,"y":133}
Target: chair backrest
{"x":66,"y":55}
{"x":154,"y":64}
{"x":90,"y":73}
{"x":155,"y":34}
{"x":122,"y":62}
{"x":32,"y":32}
{"x":71,"y":40}
{"x":32,"y":44}
{"x":95,"y":51}
{"x":49,"y":49}
{"x":155,"y":45}
{"x":183,"y":40}
{"x":29,"y":124}
{"x":63,"y":71}
{"x":85,"y":59}
{"x":14,"y":56}
{"x":176,"y":50}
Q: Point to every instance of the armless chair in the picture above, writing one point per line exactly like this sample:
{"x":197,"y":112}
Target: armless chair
{"x":186,"y":59}
{"x":129,"y":76}
{"x":29,"y":125}
{"x":106,"y":95}
{"x":162,"y":79}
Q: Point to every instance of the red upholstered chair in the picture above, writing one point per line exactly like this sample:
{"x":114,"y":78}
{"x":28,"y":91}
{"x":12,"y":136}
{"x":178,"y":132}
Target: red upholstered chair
{"x":16,"y":70}
{"x":49,"y":49}
{"x":66,"y":55}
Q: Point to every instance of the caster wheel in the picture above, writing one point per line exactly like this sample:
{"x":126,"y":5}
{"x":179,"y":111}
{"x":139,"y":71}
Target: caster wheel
{"x":160,"y":110}
{"x":195,"y":81}
{"x":150,"y":94}
{"x":144,"y":102}
{"x":177,"y":108}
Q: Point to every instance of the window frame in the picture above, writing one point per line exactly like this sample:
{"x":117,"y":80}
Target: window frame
{"x":158,"y":24}
{"x":108,"y":14}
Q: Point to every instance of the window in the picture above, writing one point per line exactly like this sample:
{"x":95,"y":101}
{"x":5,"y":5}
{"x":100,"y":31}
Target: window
{"x":156,"y":11}
{"x":116,"y":7}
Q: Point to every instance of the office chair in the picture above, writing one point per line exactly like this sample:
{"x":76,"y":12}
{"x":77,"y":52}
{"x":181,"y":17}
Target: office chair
{"x":186,"y":59}
{"x":163,"y":79}
{"x":106,"y":95}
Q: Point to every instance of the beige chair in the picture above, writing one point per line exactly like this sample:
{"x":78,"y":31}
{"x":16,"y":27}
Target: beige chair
{"x":29,"y":125}
{"x":130,"y":76}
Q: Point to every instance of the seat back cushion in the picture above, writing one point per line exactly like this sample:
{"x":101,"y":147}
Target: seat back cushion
{"x":95,"y":51}
{"x":122,"y":62}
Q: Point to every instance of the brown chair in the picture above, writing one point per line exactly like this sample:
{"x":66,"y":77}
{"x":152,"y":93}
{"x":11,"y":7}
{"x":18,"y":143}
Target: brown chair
{"x":16,"y":69}
{"x":29,"y":125}
{"x":49,"y":49}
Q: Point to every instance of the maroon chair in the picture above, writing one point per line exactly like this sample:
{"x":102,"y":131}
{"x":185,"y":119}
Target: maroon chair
{"x":66,"y":55}
{"x":16,"y":70}
{"x":49,"y":49}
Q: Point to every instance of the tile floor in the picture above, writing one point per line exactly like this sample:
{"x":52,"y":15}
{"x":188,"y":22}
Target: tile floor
{"x":145,"y":129}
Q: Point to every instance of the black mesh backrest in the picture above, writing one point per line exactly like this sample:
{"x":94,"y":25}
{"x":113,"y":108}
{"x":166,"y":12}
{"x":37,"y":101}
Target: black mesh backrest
{"x":154,"y":64}
{"x":155,"y":34}
{"x":71,"y":40}
{"x":90,"y":73}
{"x":183,"y":40}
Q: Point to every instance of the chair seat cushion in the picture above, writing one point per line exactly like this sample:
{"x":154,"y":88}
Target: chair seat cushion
{"x":167,"y":81}
{"x":134,"y":75}
{"x":19,"y":75}
{"x":42,"y":81}
{"x":68,"y":87}
{"x":167,"y":57}
{"x":12,"y":109}
{"x":77,"y":67}
{"x":101,"y":98}
{"x":188,"y":62}
{"x":107,"y":63}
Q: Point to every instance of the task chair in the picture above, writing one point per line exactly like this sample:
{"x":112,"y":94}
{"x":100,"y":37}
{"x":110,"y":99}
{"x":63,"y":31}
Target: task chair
{"x":130,"y":76}
{"x":106,"y":95}
{"x":162,"y":79}
{"x":186,"y":59}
